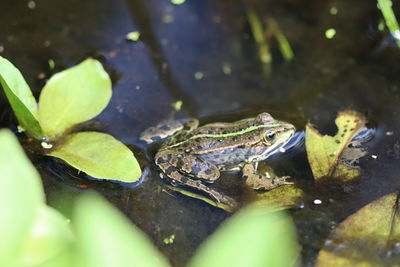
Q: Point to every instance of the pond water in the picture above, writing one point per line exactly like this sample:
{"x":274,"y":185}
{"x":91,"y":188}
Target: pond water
{"x":204,"y":54}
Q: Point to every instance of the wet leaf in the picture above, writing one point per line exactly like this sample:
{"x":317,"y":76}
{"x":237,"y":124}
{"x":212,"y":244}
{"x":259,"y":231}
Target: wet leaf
{"x":20,"y":97}
{"x":21,"y":195}
{"x":369,"y":237}
{"x":49,"y":236}
{"x":331,"y":155}
{"x":105,"y":238}
{"x":282,"y":197}
{"x":99,"y":155}
{"x":252,"y":237}
{"x":73,"y":96}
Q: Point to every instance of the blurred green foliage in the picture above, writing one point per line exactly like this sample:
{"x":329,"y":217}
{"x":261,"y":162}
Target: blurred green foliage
{"x":99,"y":235}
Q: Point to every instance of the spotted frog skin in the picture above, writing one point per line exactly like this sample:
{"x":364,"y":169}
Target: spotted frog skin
{"x":194,"y":156}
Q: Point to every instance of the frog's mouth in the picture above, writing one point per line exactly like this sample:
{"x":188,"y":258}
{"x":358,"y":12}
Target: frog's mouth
{"x":283,"y":137}
{"x":289,"y":141}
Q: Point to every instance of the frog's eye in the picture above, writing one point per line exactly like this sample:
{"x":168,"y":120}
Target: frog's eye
{"x":269,"y":137}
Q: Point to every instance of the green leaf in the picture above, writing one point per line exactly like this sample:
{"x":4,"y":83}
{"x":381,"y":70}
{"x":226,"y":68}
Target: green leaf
{"x":73,"y":96}
{"x":390,"y":18}
{"x":105,"y":238}
{"x":63,"y":259}
{"x":367,"y":238}
{"x":99,"y":155}
{"x":252,"y":237}
{"x":49,"y":237}
{"x":21,"y":195}
{"x":328,"y":154}
{"x":20,"y":97}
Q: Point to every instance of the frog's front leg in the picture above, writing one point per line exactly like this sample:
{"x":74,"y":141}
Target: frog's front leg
{"x":265,"y":182}
{"x":189,"y":170}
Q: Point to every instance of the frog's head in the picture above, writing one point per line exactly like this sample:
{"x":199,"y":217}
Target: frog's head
{"x":275,"y":134}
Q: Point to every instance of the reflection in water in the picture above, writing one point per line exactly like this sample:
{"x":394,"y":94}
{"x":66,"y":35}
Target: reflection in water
{"x":141,"y":18}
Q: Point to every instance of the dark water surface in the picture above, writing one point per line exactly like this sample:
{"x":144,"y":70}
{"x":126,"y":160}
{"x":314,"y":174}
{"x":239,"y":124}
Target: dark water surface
{"x":357,"y":69}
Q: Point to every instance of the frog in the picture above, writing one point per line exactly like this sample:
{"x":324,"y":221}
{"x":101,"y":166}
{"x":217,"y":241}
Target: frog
{"x":194,"y":156}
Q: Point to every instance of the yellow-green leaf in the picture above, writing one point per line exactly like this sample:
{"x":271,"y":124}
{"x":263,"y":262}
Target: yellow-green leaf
{"x":49,"y":237}
{"x":20,"y":97}
{"x":365,"y":238}
{"x":282,"y":197}
{"x":21,"y":195}
{"x":73,"y":96}
{"x":325,"y":152}
{"x":105,"y":238}
{"x":252,"y":237}
{"x":99,"y":155}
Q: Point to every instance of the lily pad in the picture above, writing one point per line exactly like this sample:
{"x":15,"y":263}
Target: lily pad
{"x":105,"y":238}
{"x":99,"y":155}
{"x":73,"y":96}
{"x":366,"y":238}
{"x":253,"y":237}
{"x":21,"y":195}
{"x":331,"y":155}
{"x":20,"y":98}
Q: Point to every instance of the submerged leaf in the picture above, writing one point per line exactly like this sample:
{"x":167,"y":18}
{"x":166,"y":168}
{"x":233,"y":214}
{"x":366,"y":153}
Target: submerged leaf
{"x":367,"y":238}
{"x":252,"y":237}
{"x":20,"y":97}
{"x":203,"y":198}
{"x":99,"y":155}
{"x":73,"y":96}
{"x":21,"y":195}
{"x":282,"y":197}
{"x":331,"y":155}
{"x":105,"y":238}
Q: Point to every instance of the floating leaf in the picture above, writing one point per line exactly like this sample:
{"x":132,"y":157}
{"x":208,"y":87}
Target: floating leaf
{"x":177,"y":105}
{"x":331,"y":155}
{"x":282,"y":197}
{"x":20,"y":97}
{"x":366,"y":238}
{"x":49,"y":237}
{"x":133,"y":36}
{"x":253,"y":237}
{"x":99,"y":155}
{"x":105,"y":238}
{"x":178,"y":2}
{"x":21,"y":195}
{"x":73,"y":96}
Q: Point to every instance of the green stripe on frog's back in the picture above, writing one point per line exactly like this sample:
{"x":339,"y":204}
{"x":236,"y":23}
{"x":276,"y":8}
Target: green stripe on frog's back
{"x":229,"y":134}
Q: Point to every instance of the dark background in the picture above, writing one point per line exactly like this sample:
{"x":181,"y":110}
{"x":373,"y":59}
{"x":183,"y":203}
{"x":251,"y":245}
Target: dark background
{"x":357,"y":69}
